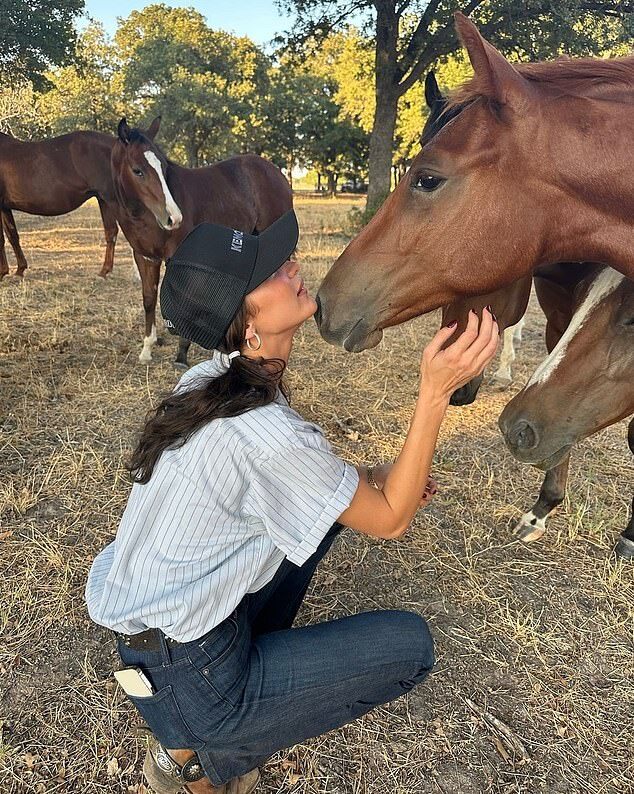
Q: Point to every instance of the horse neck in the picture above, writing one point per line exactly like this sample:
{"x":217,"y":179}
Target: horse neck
{"x":592,"y":218}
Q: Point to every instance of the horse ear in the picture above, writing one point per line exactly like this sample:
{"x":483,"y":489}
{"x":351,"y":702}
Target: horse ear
{"x":154,"y":128}
{"x":495,"y":76}
{"x":432,"y":92}
{"x":123,"y":130}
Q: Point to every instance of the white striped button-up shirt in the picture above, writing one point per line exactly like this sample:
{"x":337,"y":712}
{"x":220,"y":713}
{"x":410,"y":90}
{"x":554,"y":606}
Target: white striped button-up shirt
{"x":217,"y":518}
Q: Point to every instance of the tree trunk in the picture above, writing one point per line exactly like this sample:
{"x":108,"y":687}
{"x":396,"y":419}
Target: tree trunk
{"x":386,"y":94}
{"x":289,"y":169}
{"x":381,"y":144}
{"x":318,"y":182}
{"x":192,"y":154}
{"x":332,"y":184}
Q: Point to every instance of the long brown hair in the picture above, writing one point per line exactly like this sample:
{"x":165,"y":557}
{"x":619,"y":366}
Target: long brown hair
{"x":247,"y":384}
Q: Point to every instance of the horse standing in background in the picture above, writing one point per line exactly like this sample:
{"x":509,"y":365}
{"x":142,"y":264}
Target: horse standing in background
{"x":53,"y":177}
{"x":160,"y":202}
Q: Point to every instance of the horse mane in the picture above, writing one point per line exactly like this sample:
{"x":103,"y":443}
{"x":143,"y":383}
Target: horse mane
{"x":572,"y":76}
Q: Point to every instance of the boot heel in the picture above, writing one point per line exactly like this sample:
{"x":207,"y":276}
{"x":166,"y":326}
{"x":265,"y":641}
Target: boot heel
{"x":160,"y":782}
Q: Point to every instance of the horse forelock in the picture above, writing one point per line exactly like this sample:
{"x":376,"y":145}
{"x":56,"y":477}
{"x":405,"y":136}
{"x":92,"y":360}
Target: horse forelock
{"x":572,"y":77}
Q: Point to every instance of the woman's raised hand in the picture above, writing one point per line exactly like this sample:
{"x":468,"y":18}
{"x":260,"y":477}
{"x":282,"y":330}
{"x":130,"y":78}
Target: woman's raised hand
{"x":445,"y":370}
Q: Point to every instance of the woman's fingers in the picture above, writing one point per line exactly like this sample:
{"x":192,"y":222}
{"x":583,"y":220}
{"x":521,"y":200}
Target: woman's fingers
{"x":487,"y":354}
{"x":440,"y":338}
{"x":484,"y":334}
{"x":466,"y":338}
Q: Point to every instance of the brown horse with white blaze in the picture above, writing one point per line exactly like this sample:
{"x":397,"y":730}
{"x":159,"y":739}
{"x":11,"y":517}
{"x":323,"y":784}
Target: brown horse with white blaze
{"x":584,"y":385}
{"x":534,"y":169}
{"x":53,"y":177}
{"x":160,"y":202}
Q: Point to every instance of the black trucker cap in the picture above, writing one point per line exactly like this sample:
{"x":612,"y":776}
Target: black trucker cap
{"x":211,"y":271}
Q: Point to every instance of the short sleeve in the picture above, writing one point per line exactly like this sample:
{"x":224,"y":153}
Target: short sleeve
{"x":298,"y":493}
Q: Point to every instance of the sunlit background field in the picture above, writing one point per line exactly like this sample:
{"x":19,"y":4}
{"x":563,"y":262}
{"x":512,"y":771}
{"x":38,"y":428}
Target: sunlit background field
{"x":533,"y":689}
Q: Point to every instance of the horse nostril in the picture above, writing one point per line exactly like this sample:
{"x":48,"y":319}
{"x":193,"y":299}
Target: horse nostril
{"x":170,"y":220}
{"x":523,"y":435}
{"x":318,"y":312}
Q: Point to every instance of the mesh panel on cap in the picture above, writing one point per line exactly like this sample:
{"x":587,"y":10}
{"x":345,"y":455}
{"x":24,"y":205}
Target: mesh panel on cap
{"x":200,"y":302}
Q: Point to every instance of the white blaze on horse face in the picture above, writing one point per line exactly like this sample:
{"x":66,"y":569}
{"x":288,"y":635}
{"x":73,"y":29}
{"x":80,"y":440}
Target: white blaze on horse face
{"x":170,"y":205}
{"x":605,"y":284}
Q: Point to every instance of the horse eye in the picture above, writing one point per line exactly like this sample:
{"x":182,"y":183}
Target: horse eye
{"x":428,"y":183}
{"x":137,"y":172}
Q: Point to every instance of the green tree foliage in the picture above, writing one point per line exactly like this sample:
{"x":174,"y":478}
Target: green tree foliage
{"x":84,"y":95}
{"x":304,"y":124}
{"x":34,"y":36}
{"x":206,"y":84}
{"x":18,"y":111}
{"x":410,"y":36}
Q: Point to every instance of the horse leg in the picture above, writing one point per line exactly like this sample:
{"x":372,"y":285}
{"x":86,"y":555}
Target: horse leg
{"x":532,"y":525}
{"x":517,"y":333}
{"x":625,"y":546}
{"x":4,"y":264}
{"x":14,"y":238}
{"x":181,"y":356}
{"x":150,"y":273}
{"x":110,"y":229}
{"x":503,"y":376}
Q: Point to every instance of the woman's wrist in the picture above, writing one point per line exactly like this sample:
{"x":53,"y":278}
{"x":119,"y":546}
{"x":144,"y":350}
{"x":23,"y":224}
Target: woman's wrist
{"x":377,"y":475}
{"x":431,"y":399}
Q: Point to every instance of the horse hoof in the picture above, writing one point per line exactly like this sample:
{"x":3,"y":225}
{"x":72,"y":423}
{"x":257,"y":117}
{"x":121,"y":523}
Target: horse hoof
{"x":181,"y":366}
{"x":624,"y":549}
{"x":530,"y":528}
{"x":501,"y":381}
{"x":160,"y":341}
{"x":147,"y":360}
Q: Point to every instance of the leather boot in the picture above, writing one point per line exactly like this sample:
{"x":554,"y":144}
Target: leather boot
{"x":171,"y":771}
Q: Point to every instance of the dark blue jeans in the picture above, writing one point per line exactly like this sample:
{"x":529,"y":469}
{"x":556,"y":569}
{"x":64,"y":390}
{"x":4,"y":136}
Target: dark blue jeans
{"x":254,"y":685}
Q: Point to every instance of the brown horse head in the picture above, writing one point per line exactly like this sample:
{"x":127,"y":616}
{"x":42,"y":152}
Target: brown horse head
{"x":585,"y":384}
{"x":522,"y":176}
{"x":139,"y":172}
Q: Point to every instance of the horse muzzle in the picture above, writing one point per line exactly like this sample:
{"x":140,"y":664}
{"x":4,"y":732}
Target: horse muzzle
{"x":530,"y":443}
{"x":353,"y":334}
{"x":170,"y":221}
{"x":467,"y":394}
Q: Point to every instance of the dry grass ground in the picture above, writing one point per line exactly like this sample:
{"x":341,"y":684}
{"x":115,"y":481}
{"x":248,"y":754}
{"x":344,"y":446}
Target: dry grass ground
{"x":539,"y":636}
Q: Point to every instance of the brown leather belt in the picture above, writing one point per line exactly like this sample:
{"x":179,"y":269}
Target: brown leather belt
{"x":148,"y":640}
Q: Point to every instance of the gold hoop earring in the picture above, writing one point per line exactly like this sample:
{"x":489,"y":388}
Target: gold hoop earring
{"x":257,"y":336}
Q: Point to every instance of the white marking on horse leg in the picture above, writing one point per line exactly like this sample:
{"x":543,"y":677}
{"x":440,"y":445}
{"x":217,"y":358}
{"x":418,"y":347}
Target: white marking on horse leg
{"x":170,"y":205}
{"x":517,"y":333}
{"x":530,"y":527}
{"x":605,"y":283}
{"x":503,"y":376}
{"x":136,"y":275}
{"x":148,"y":343}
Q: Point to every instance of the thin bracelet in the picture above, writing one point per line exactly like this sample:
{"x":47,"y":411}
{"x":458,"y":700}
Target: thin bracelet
{"x":371,"y":480}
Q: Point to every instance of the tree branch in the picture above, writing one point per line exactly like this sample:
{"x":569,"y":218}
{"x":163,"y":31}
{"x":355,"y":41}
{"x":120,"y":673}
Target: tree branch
{"x":413,"y":56}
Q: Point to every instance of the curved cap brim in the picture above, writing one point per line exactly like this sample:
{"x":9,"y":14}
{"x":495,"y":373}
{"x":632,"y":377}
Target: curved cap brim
{"x":275,"y":245}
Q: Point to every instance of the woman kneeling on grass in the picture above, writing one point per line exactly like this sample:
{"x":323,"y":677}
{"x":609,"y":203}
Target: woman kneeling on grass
{"x":236,"y":500}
